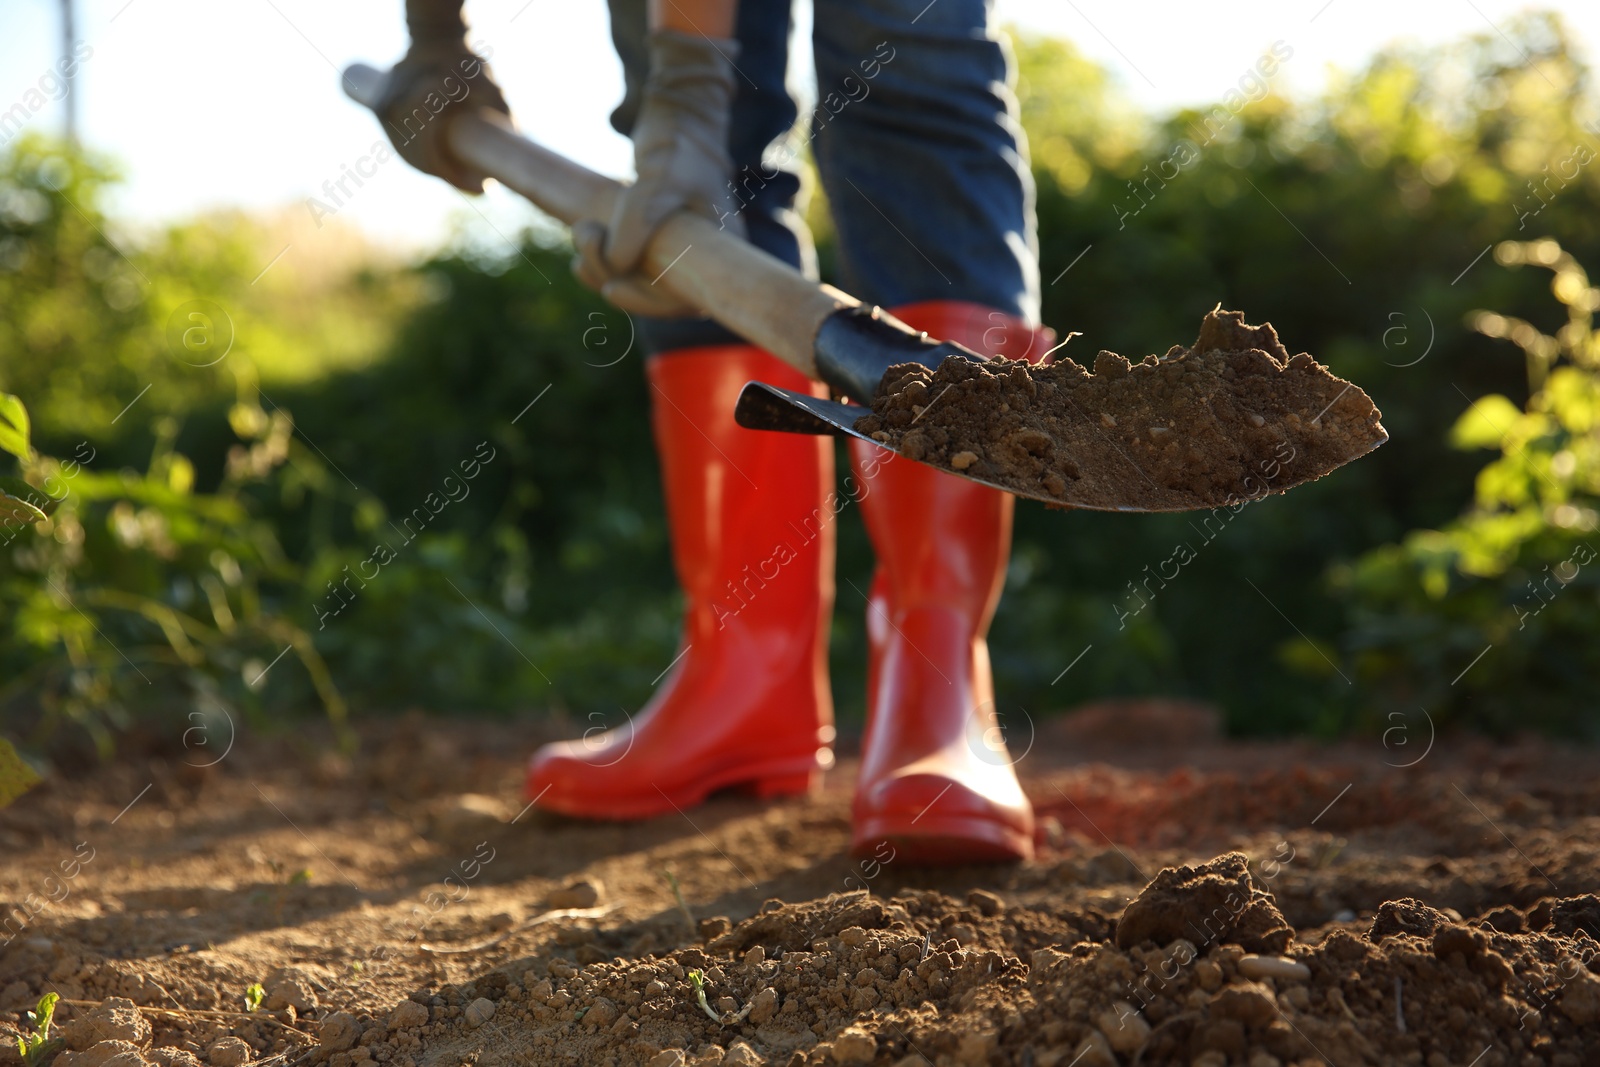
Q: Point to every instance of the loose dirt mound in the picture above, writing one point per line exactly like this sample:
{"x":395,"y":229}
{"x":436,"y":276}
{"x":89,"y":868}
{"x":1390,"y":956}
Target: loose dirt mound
{"x":1231,"y":418}
{"x":924,"y":978}
{"x":1235,"y":905}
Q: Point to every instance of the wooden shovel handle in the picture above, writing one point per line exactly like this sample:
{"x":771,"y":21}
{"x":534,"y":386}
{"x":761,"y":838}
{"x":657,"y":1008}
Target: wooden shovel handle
{"x":756,"y":295}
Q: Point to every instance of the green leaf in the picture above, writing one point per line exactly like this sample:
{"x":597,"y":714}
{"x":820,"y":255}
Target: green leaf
{"x":254,"y":994}
{"x":20,"y":489}
{"x":16,"y":777}
{"x":14,"y":511}
{"x":38,"y":1046}
{"x":1573,"y":395}
{"x":14,"y":430}
{"x":1486,"y":424}
{"x":45,"y":1014}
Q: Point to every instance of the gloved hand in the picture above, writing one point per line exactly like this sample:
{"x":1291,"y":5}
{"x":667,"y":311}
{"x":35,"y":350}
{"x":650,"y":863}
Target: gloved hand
{"x":680,"y":149}
{"x":439,"y":78}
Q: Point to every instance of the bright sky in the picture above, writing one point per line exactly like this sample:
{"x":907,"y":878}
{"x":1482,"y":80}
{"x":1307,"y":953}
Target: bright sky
{"x":211,"y":103}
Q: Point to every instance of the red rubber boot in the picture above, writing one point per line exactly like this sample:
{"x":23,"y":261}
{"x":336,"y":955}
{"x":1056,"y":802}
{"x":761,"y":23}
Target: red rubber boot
{"x":747,"y":702}
{"x":936,"y":780}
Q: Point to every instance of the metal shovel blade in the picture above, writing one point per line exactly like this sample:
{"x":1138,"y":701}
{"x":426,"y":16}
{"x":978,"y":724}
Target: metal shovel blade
{"x":768,"y":407}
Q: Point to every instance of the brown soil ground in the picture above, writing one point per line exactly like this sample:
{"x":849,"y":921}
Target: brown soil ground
{"x":1230,"y":419}
{"x":401,"y":908}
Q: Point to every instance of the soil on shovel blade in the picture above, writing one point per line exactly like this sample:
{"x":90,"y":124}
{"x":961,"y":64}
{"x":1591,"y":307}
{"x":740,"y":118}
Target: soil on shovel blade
{"x":1214,"y":904}
{"x":1231,"y":418}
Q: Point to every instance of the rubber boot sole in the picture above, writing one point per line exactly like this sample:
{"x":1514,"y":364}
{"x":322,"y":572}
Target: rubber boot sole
{"x":941,"y":840}
{"x":766,"y":780}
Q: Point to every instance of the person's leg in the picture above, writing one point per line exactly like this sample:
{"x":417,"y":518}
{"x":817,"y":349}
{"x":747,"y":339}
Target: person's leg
{"x":936,"y":780}
{"x":747,"y":701}
{"x":926,"y":174}
{"x":765,"y":181}
{"x":926,"y":168}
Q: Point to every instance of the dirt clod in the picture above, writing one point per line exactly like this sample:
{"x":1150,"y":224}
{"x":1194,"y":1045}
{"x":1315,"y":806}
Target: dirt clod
{"x":170,"y":1057}
{"x":1095,"y":1051}
{"x":408,"y":1015}
{"x":764,"y":1007}
{"x":1580,"y":1001}
{"x":1577,"y":914}
{"x":338,"y":1031}
{"x":1231,"y":418}
{"x":228,"y":1052}
{"x":115,"y":1019}
{"x":1124,"y":1027}
{"x":289,"y":987}
{"x":478,"y":1012}
{"x":582,"y":894}
{"x":1249,"y":1003}
{"x":100,"y":1053}
{"x":986,"y":902}
{"x":127,"y":1058}
{"x":1405,"y":916}
{"x":854,"y":1047}
{"x":1208,"y":903}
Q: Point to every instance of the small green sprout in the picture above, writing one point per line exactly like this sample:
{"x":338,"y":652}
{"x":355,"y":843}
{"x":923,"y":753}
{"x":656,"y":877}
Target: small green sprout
{"x":677,"y":893}
{"x":253,"y":996}
{"x":283,"y":879}
{"x":283,"y":876}
{"x":697,"y":979}
{"x":35,"y":1046}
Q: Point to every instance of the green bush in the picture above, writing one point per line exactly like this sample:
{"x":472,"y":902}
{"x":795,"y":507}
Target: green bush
{"x":139,"y":595}
{"x":1491,"y":619}
{"x":1356,"y":222}
{"x":1401,"y":175}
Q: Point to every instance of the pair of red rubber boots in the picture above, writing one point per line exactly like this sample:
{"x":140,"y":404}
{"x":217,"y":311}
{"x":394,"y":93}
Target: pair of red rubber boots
{"x":747,"y":703}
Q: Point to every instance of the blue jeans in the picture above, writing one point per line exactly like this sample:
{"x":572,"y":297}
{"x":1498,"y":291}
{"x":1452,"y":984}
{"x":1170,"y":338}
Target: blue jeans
{"x":916,"y":139}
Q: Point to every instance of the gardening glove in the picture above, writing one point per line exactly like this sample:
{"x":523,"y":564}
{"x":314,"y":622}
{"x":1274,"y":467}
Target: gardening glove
{"x":680,"y":150}
{"x":439,"y":78}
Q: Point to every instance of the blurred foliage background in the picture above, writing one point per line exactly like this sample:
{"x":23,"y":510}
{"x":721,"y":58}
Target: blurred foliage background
{"x":322,"y":487}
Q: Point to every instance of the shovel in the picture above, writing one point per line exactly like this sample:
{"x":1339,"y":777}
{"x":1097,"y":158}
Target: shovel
{"x":822,"y":332}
